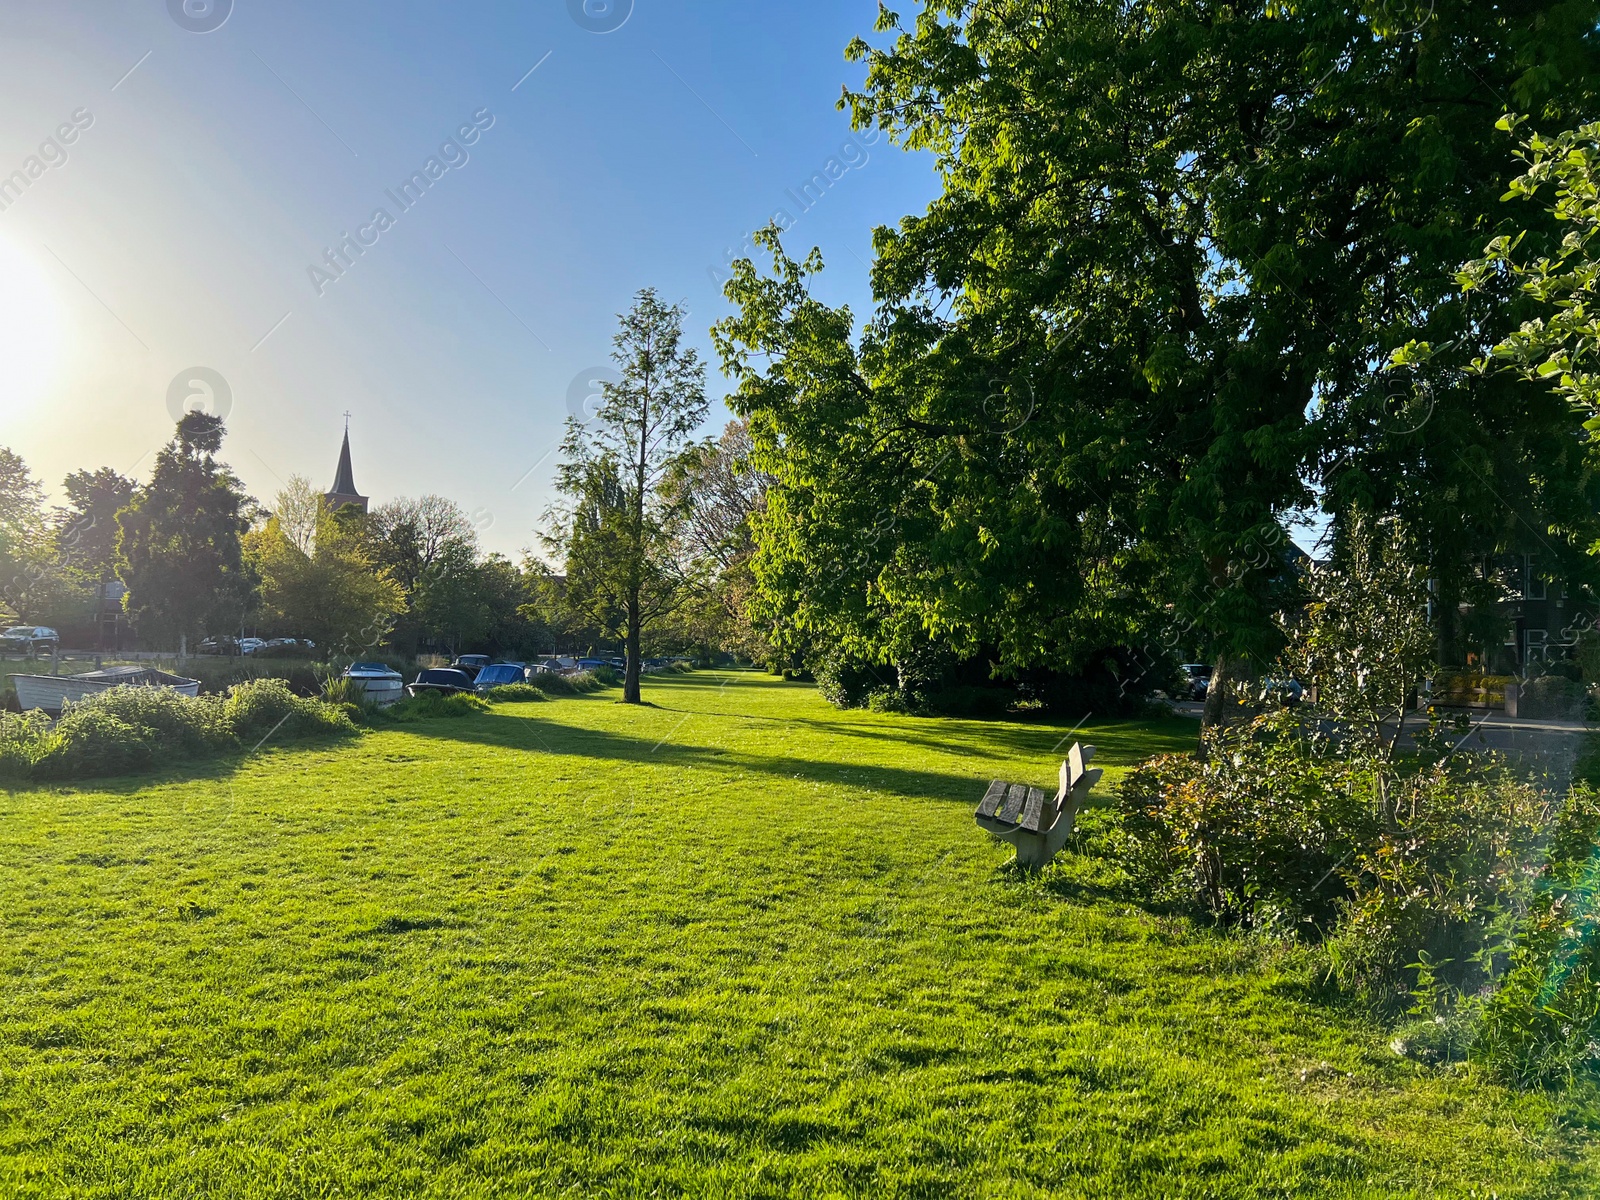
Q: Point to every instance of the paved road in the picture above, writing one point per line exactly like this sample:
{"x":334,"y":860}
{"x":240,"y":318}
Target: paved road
{"x":1555,"y":745}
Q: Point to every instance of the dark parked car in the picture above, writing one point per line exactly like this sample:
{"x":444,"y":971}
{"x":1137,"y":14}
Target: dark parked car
{"x":470,"y":663}
{"x":220,"y":645}
{"x":440,"y":679}
{"x":1199,"y":677}
{"x":593,"y":664}
{"x":28,"y":639}
{"x":498,"y":675}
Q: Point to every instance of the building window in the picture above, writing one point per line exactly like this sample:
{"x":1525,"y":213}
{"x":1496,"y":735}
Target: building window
{"x":1535,"y":588}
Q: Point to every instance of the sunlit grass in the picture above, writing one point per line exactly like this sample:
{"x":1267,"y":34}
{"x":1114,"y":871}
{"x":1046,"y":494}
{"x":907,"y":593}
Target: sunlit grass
{"x":736,"y":944}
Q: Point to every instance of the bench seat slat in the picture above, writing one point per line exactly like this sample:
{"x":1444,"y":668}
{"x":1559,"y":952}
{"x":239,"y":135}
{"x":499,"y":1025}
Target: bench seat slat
{"x":1033,"y":810}
{"x":992,"y":799}
{"x":1016,"y":797}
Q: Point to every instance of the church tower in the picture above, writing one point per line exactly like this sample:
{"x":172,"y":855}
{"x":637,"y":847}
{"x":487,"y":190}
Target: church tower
{"x":344,"y":491}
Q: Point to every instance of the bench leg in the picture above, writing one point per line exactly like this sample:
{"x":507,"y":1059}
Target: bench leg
{"x":1033,"y":851}
{"x":1036,"y":851}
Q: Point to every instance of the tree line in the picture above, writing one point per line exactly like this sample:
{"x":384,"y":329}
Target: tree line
{"x":650,"y":528}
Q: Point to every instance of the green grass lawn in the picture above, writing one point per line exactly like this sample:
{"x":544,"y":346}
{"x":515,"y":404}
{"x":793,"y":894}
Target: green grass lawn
{"x":738,"y":944}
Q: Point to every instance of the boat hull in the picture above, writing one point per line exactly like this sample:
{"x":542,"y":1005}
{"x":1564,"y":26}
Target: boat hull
{"x":51,"y":693}
{"x":383,"y":692}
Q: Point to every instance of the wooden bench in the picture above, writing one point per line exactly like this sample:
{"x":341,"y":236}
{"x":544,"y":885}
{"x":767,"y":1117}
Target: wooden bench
{"x":1037,"y":825}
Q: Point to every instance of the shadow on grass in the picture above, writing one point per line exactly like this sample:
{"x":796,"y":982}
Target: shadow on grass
{"x":1127,"y":739}
{"x":536,"y":735}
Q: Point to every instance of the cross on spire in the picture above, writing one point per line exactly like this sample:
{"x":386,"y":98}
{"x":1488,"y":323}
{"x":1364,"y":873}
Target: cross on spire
{"x":347,"y":415}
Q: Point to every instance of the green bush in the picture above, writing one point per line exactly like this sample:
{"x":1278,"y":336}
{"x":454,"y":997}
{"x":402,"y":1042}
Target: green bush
{"x":1470,"y":688}
{"x":1450,"y":871}
{"x":23,"y":737}
{"x":216,"y":676}
{"x":126,"y":729}
{"x":342,"y":690}
{"x":265,"y":706}
{"x":88,"y":741}
{"x":885,"y":700}
{"x":1395,"y":867}
{"x":847,"y":682}
{"x":171,"y":724}
{"x":428,"y":706}
{"x":1542,"y":1025}
{"x":568,"y":685}
{"x":1552,"y":696}
{"x":514,"y":693}
{"x":1255,"y":833}
{"x":606,"y":676}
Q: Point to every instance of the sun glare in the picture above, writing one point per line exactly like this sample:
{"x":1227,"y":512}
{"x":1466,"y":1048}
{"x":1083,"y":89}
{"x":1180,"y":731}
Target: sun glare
{"x":30,"y":329}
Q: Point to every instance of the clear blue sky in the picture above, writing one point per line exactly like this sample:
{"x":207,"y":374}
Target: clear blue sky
{"x":181,"y":228}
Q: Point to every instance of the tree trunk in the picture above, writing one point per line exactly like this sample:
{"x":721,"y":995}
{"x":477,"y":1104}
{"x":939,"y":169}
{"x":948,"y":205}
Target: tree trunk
{"x":183,"y":648}
{"x":1218,"y":702}
{"x":630,"y":679}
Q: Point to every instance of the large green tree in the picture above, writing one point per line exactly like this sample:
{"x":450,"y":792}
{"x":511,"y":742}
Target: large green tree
{"x":86,"y":526}
{"x":22,"y":527}
{"x":1146,"y":322}
{"x":716,"y":492}
{"x":50,"y":565}
{"x":1557,"y":283}
{"x":429,"y":547}
{"x":179,"y":544}
{"x":317,"y":576}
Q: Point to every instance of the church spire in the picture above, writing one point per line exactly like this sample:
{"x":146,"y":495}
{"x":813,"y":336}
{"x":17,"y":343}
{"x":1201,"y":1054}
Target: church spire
{"x":344,"y":491}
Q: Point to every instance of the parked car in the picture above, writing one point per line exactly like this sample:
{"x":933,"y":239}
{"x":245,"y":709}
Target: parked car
{"x":498,"y":675}
{"x":250,"y":645}
{"x":29,"y":639}
{"x":382,"y":684}
{"x":220,"y":645}
{"x":593,"y":664}
{"x":1199,"y":677}
{"x":470,"y":663}
{"x":1288,"y":691}
{"x":447,"y":680}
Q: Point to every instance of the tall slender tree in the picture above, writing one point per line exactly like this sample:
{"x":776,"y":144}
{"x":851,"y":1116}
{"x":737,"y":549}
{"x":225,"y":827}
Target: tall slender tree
{"x":614,"y":531}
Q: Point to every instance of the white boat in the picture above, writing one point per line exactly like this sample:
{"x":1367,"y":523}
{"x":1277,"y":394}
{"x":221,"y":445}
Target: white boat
{"x":52,"y":692}
{"x":383,"y":685}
